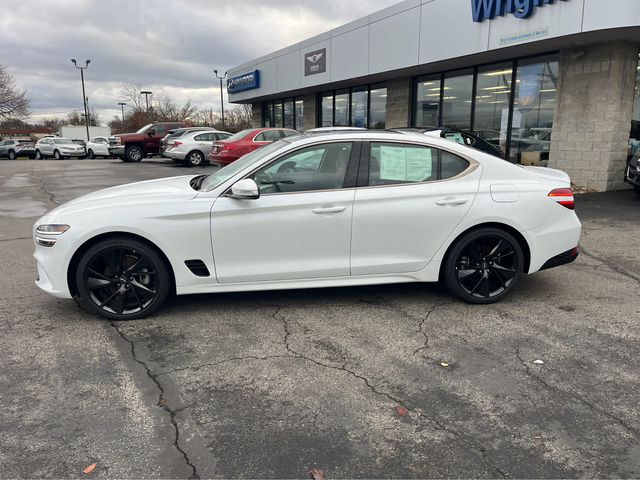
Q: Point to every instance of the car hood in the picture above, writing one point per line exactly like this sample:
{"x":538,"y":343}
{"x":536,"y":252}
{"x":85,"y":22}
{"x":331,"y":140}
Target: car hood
{"x":131,"y":194}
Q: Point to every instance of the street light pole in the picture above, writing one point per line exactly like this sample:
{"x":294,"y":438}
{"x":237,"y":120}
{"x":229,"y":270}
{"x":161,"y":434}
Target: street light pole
{"x":146,"y":94}
{"x":122,"y":104}
{"x":221,"y":96}
{"x":84,"y":96}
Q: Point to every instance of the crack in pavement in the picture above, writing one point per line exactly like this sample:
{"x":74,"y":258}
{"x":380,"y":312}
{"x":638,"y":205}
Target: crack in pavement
{"x":580,"y":399}
{"x":45,"y":189}
{"x":161,"y":401}
{"x":615,"y":268}
{"x":295,"y":354}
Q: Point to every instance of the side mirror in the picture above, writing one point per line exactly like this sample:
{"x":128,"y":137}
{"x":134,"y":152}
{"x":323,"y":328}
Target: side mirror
{"x":246,"y":188}
{"x":151,"y":132}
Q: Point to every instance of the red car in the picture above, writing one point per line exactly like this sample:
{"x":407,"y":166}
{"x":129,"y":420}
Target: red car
{"x":224,"y":152}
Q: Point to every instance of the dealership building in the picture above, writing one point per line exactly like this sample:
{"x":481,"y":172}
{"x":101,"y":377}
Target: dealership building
{"x":553,"y":82}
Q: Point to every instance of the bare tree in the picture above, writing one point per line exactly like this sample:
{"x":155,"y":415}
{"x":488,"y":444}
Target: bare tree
{"x":132,"y":93}
{"x":14,"y":103}
{"x":165,"y":109}
{"x":74,"y":118}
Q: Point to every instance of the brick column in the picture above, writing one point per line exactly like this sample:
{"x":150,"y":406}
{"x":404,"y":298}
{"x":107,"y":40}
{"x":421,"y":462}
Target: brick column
{"x":594,"y":105}
{"x":256,"y":115}
{"x":398,"y":103}
{"x":310,"y":112}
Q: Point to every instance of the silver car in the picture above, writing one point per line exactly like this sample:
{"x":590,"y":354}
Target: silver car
{"x":16,"y":148}
{"x":58,"y":148}
{"x":193,"y":148}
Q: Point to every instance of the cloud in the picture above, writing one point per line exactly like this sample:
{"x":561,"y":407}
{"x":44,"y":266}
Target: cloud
{"x":166,"y":46}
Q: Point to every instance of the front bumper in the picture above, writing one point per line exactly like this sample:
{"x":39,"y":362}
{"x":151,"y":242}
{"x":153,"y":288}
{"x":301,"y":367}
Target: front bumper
{"x":117,"y":151}
{"x":51,"y":266}
{"x":73,"y":154}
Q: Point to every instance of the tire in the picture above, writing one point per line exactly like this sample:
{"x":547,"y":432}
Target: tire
{"x":637,"y":189}
{"x":90,"y":154}
{"x":122,"y":279}
{"x":133,"y":154}
{"x":12,"y":155}
{"x":39,"y":155}
{"x":484,"y":266}
{"x":56,"y":155}
{"x":194,"y":159}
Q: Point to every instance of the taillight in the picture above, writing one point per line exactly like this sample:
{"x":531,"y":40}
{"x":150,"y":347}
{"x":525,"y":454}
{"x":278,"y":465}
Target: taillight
{"x":564,"y":196}
{"x":176,"y":144}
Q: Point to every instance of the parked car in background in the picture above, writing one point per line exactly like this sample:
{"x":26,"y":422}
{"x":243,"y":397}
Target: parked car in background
{"x":133,"y":147}
{"x":13,"y":149}
{"x":632,"y":172}
{"x":58,"y":148}
{"x":227,"y":151}
{"x":98,"y":147}
{"x":459,"y":136}
{"x":192,"y":148}
{"x":173,"y":135}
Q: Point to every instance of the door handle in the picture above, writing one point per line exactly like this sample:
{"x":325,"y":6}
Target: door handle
{"x":325,"y":210}
{"x":451,"y":201}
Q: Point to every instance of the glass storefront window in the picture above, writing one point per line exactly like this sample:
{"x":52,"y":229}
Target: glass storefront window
{"x":341,"y":110}
{"x":493,"y":98}
{"x":288,"y":114}
{"x":533,"y":110}
{"x":634,"y":139}
{"x":359,"y":100}
{"x":299,"y":115}
{"x":327,"y":110}
{"x":268,"y":115}
{"x":378,"y":108}
{"x":457,"y":100}
{"x":277,"y":114}
{"x":427,"y":108}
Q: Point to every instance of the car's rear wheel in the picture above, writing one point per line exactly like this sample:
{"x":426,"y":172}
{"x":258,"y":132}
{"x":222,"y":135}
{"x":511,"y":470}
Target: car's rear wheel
{"x":90,"y":154}
{"x":122,"y":279}
{"x":57,"y":155}
{"x":484,"y":266}
{"x":12,"y":155}
{"x":194,"y":159}
{"x":133,"y":154}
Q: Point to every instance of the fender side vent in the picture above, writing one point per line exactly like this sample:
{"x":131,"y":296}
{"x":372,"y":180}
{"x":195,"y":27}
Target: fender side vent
{"x":197,"y":267}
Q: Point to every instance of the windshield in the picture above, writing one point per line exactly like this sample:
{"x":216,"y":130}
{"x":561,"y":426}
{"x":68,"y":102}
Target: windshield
{"x":241,"y":134}
{"x":62,"y":141}
{"x":146,"y":127}
{"x":218,"y":178}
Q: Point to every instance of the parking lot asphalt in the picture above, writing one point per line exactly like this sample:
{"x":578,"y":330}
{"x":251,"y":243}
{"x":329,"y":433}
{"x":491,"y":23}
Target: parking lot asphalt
{"x":375,"y":382}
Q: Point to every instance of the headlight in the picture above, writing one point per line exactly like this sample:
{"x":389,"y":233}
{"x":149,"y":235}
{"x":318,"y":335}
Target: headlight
{"x":52,"y":229}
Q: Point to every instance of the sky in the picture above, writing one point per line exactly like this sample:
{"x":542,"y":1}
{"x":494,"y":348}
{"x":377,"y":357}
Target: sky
{"x":170,"y":47}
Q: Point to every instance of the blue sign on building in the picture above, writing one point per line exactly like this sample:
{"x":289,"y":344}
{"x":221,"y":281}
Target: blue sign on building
{"x":488,"y":9}
{"x":246,"y":81}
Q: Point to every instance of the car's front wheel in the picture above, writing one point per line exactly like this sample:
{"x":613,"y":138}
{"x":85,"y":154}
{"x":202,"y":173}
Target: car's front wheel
{"x":39,"y":155}
{"x":484,"y":266}
{"x":194,"y":159}
{"x":57,"y":155}
{"x":133,"y":154}
{"x":122,"y":279}
{"x":90,"y":154}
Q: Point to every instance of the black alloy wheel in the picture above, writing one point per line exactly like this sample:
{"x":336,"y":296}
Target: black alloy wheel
{"x":39,"y":155}
{"x":194,"y":159}
{"x":57,"y":155}
{"x":484,"y":266}
{"x":133,"y":154}
{"x":90,"y":154}
{"x":637,"y":189}
{"x":122,"y":279}
{"x":12,"y":155}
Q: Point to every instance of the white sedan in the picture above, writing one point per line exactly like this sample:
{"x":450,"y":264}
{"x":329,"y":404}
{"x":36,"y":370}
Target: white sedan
{"x":342,"y":209}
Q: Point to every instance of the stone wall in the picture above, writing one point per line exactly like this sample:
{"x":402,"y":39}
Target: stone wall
{"x":310,"y":112}
{"x":398,"y":101}
{"x":594,"y":104}
{"x":256,"y":115}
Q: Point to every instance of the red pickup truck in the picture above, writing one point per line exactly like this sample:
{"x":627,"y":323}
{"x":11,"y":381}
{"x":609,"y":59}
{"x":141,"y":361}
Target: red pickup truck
{"x":133,"y":147}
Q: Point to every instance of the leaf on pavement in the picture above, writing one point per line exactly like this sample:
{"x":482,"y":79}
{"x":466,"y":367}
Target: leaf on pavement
{"x":90,"y":468}
{"x":317,"y":474}
{"x":402,"y":411}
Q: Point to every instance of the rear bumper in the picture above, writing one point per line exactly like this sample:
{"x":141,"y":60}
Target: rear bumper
{"x":563,"y":259}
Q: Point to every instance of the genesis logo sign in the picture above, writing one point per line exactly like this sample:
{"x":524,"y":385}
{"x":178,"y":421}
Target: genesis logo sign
{"x":488,"y":9}
{"x":246,"y":81}
{"x":315,"y":62}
